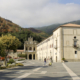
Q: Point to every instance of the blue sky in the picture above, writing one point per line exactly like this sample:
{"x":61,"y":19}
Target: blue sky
{"x":68,"y":1}
{"x":38,"y":13}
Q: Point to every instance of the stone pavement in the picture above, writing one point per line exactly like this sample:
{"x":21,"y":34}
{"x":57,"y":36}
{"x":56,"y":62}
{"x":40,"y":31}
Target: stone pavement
{"x":34,"y":70}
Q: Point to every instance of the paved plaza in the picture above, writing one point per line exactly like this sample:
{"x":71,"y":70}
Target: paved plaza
{"x":35,"y":70}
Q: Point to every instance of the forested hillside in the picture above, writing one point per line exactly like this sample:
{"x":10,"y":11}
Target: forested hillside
{"x":49,"y":29}
{"x":8,"y":27}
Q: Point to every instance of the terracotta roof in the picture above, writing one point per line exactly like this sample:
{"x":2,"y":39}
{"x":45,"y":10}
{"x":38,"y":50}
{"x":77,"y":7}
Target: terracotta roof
{"x":17,"y":51}
{"x":70,"y":25}
{"x":65,"y":25}
{"x":20,"y":50}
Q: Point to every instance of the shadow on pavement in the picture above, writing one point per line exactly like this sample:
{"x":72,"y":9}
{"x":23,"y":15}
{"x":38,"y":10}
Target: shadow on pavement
{"x":49,"y":78}
{"x":40,"y":78}
{"x":27,"y":67}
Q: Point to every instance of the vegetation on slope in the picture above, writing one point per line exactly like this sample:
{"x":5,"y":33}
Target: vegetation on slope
{"x":8,"y":27}
{"x":49,"y":29}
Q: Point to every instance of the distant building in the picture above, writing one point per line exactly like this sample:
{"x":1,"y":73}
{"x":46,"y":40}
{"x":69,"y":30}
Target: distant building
{"x":64,"y":43}
{"x":30,"y":48}
{"x":15,"y":54}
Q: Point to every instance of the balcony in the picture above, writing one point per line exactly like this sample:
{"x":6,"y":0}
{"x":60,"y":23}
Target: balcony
{"x":75,"y":40}
{"x":30,"y":51}
{"x":76,"y":46}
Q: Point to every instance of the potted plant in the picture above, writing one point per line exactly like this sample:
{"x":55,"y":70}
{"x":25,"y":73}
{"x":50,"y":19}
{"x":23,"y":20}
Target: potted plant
{"x":63,"y":59}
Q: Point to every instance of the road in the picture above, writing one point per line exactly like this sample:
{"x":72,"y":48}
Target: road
{"x":34,"y":70}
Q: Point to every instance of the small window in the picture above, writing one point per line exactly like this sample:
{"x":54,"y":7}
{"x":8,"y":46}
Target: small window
{"x":34,"y":48}
{"x":74,"y":37}
{"x":26,"y":48}
{"x":30,"y":48}
{"x":75,"y":52}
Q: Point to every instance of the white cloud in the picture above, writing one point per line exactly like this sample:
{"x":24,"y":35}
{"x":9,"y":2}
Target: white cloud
{"x":35,"y":13}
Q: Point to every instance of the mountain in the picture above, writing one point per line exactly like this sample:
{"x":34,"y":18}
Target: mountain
{"x":34,"y":30}
{"x":49,"y":29}
{"x":8,"y":27}
{"x":39,"y":32}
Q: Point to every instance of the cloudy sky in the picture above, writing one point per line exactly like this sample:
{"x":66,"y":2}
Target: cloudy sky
{"x":38,"y":13}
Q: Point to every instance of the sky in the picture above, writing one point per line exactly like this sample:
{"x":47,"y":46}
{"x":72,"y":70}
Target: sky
{"x":38,"y":13}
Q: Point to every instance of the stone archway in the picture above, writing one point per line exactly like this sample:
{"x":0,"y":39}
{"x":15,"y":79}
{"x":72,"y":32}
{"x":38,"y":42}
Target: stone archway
{"x":30,"y":56}
{"x":33,"y":56}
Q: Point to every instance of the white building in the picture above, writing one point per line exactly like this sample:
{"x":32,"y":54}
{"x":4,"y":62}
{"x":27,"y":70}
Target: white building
{"x":64,"y":43}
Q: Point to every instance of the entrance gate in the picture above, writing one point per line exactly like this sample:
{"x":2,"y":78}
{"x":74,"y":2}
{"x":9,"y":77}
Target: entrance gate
{"x":30,"y":56}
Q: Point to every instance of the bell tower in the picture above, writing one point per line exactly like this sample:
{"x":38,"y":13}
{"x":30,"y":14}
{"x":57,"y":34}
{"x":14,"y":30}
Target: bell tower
{"x":30,"y":39}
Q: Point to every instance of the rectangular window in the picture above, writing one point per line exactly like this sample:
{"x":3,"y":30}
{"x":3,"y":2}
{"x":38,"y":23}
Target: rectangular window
{"x":75,"y":43}
{"x":75,"y":52}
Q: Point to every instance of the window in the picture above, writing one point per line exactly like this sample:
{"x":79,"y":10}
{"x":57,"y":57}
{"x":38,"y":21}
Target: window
{"x":30,"y":48}
{"x":75,"y":43}
{"x":34,"y":48}
{"x":26,"y":48}
{"x":74,"y":37}
{"x":75,"y":52}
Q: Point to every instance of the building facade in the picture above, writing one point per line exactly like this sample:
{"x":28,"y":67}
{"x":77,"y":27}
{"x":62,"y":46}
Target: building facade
{"x":13,"y":54}
{"x":45,"y":49}
{"x":30,"y":48}
{"x":64,"y":43}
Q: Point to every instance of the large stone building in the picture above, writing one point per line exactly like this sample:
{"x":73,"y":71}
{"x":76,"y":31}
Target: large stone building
{"x":30,"y":48}
{"x":64,"y":43}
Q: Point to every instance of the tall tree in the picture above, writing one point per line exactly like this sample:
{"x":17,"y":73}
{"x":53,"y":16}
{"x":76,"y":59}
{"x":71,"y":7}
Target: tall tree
{"x":11,"y":43}
{"x":2,"y":49}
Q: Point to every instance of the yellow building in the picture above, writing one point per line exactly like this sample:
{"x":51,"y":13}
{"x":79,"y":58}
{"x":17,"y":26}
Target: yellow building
{"x":30,"y":48}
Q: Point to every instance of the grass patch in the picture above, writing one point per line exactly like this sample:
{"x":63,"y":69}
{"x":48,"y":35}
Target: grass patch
{"x":19,"y":64}
{"x":21,"y":59}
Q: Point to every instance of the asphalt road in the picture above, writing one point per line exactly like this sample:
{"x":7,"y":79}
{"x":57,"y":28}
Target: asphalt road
{"x":35,"y":70}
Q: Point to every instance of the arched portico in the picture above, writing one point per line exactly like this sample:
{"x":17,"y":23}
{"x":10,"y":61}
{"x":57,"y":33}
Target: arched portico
{"x":33,"y":56}
{"x":30,"y":56}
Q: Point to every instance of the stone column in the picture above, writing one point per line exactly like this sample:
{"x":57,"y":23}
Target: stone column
{"x":27,"y":56}
{"x":28,"y":48}
{"x":32,"y":48}
{"x":32,"y":56}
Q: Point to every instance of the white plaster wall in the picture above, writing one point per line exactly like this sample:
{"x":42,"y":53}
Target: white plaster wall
{"x":13,"y":55}
{"x":57,"y":55}
{"x":69,"y":50}
{"x":46,"y":51}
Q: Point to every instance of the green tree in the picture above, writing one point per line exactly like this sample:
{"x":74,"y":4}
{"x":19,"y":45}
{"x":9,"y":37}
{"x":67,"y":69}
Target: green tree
{"x":11,"y":43}
{"x":2,"y":49}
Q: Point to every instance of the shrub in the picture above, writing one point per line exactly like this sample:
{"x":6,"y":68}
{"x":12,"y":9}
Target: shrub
{"x":11,"y":66}
{"x":2,"y":67}
{"x":19,"y":64}
{"x":63,"y":59}
{"x":22,"y":55}
{"x":11,"y":61}
{"x":8,"y":64}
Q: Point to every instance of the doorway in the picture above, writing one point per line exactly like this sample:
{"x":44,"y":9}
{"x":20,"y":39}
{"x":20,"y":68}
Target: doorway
{"x":33,"y":56}
{"x":30,"y":56}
